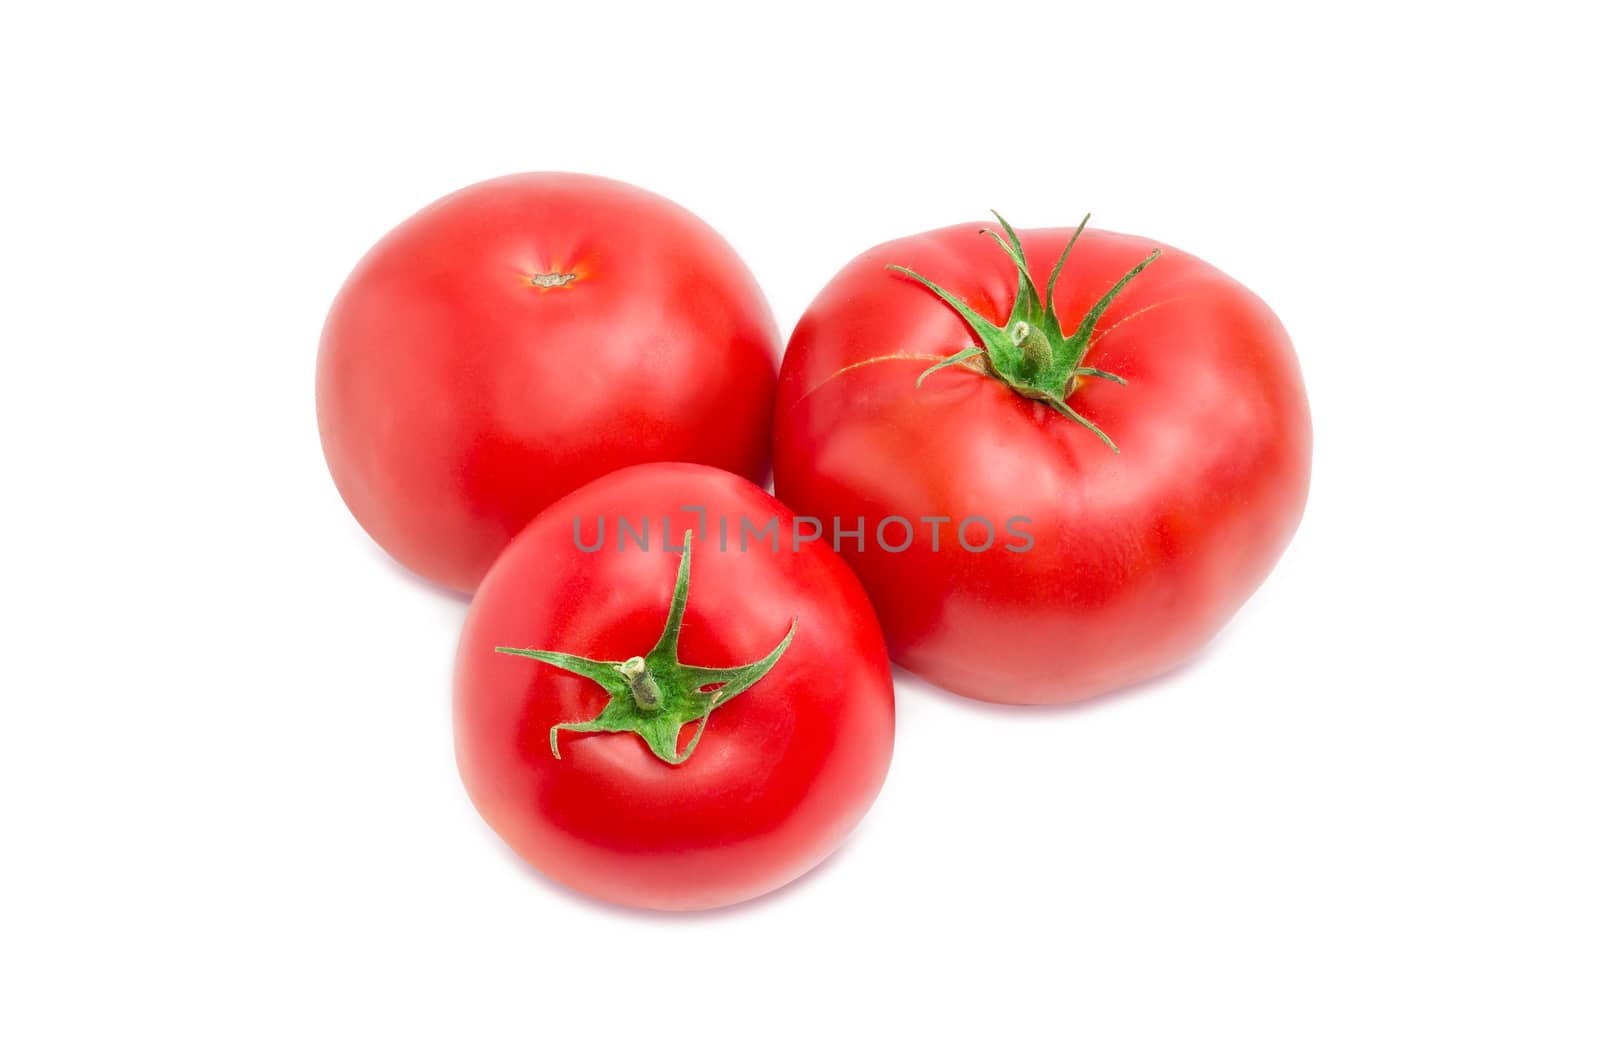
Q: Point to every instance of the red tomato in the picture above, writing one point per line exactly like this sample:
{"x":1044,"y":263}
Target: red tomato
{"x":526,"y":335}
{"x":690,"y":774}
{"x":1105,"y":567}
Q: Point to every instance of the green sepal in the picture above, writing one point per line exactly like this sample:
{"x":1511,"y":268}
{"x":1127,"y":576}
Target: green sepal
{"x":965,"y":354}
{"x":1026,"y":307}
{"x":1071,"y":413}
{"x":1053,"y":325}
{"x":656,"y":696}
{"x":986,"y":330}
{"x":1095,"y":372}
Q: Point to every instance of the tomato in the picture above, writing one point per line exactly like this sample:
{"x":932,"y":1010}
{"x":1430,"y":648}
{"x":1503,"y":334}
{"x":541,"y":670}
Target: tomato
{"x":1118,"y":461}
{"x":658,"y":771}
{"x":521,"y":337}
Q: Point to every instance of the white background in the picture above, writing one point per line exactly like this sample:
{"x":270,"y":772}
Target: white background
{"x":1362,"y":823}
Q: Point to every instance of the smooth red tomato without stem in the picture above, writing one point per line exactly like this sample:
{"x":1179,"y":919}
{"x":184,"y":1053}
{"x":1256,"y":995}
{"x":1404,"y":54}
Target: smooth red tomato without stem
{"x":689,"y":775}
{"x":1105,"y":565}
{"x":523,"y":336}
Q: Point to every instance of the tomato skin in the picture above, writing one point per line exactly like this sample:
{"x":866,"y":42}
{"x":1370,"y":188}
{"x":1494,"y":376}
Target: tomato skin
{"x":457,"y":398}
{"x":783,"y":772}
{"x":1138,"y":558}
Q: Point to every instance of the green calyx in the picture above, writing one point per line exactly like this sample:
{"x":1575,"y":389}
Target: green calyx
{"x":655,"y":696}
{"x":1033,"y":353}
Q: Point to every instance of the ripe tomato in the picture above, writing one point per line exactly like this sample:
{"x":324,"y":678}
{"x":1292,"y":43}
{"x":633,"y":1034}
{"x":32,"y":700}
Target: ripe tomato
{"x":521,"y":337}
{"x":663,"y":772}
{"x":1139,"y":472}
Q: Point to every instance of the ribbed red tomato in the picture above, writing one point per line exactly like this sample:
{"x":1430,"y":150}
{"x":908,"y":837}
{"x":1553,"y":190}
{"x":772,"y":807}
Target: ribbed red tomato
{"x":1134,"y":444}
{"x":523,"y":336}
{"x":664,"y":729}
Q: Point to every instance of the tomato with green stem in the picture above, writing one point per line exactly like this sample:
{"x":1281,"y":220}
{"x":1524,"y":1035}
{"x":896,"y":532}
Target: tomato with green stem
{"x":1135,"y":418}
{"x":663,"y":699}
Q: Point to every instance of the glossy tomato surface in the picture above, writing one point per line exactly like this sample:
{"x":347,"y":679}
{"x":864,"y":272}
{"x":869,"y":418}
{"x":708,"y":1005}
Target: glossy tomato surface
{"x":781,"y":773}
{"x":521,"y":337}
{"x":1124,"y":563}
